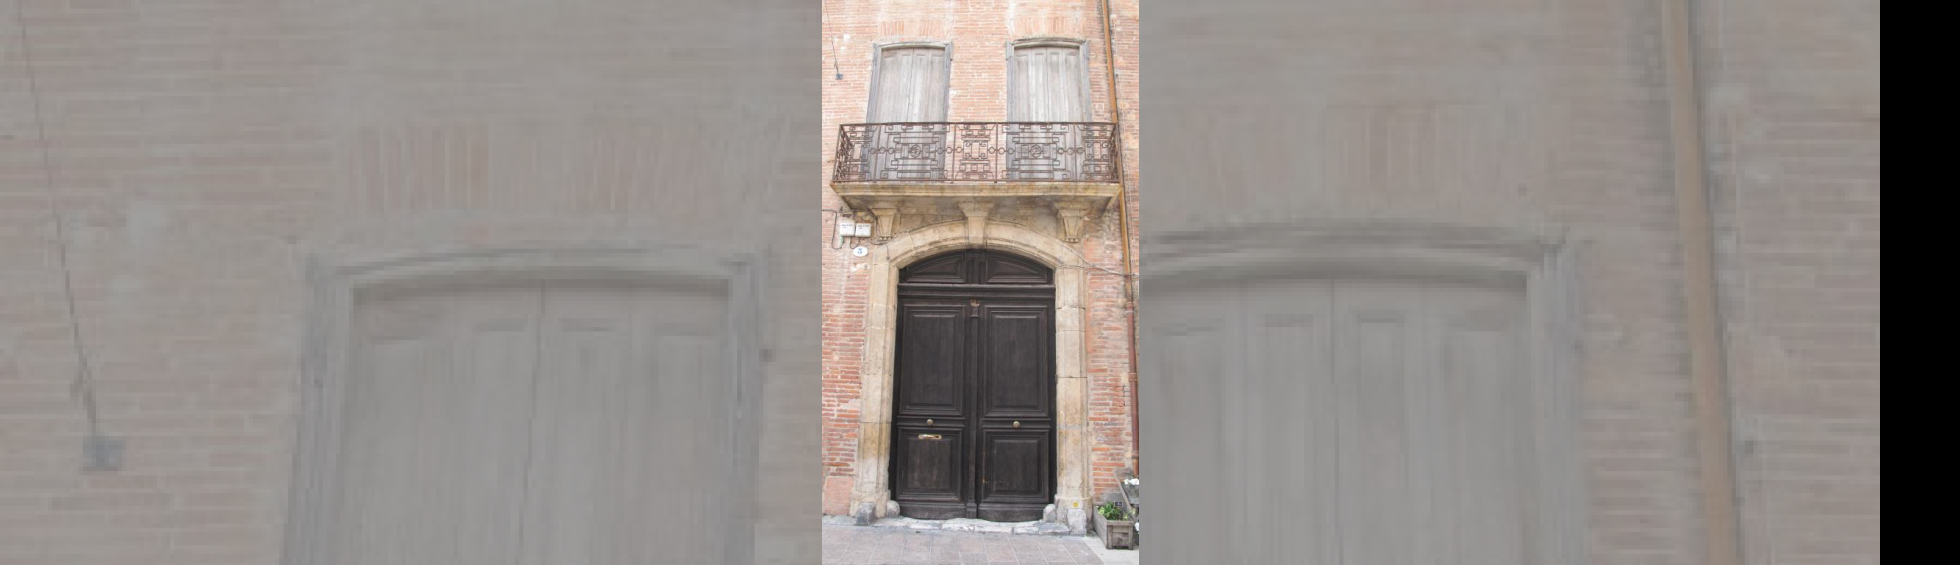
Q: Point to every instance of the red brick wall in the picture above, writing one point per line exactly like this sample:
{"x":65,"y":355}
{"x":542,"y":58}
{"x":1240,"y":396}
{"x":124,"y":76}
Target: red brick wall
{"x":979,"y":32}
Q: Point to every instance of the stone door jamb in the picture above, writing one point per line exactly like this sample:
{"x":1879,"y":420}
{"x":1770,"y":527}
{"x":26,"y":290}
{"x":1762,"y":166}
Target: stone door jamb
{"x":872,"y":492}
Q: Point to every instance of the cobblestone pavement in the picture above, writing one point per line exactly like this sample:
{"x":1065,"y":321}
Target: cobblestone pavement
{"x":851,"y":545}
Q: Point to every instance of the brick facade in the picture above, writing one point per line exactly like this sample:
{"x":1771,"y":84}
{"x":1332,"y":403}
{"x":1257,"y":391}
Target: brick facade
{"x":979,"y":33}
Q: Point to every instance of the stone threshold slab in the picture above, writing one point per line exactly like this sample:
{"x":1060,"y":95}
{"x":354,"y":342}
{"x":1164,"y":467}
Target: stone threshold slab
{"x":958,"y":525}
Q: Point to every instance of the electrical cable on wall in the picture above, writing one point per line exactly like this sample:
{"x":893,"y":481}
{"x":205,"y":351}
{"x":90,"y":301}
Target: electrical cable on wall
{"x":83,"y":387}
{"x":833,"y":59}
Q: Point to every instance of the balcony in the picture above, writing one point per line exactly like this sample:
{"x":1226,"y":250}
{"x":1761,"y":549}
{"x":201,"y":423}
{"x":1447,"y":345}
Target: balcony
{"x":972,"y":168}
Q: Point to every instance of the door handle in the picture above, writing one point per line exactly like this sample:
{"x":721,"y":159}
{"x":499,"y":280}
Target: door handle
{"x":1017,"y":423}
{"x":929,"y":436}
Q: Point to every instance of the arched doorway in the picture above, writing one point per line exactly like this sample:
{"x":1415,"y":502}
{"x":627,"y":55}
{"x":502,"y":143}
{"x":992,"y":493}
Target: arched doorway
{"x":973,"y":405}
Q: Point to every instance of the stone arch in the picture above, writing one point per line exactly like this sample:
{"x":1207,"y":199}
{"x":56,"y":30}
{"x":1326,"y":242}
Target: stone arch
{"x":872,"y":492}
{"x":906,"y":248}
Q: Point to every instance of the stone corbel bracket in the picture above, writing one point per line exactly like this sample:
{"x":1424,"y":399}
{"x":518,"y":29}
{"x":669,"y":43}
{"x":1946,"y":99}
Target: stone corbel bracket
{"x":1072,"y":215}
{"x":976,"y":212}
{"x":884,"y":218}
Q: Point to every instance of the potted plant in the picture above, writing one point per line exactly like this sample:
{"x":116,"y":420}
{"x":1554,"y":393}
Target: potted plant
{"x":1116,"y":526}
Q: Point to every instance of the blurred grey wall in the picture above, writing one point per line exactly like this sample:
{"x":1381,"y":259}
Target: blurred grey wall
{"x":1330,"y":179}
{"x":227,"y":178}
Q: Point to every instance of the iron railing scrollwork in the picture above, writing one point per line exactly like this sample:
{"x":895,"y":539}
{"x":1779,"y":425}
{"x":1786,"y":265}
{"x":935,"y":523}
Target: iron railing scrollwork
{"x":976,"y":152}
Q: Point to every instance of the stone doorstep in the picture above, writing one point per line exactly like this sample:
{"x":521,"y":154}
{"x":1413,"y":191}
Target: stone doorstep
{"x":959,"y":525}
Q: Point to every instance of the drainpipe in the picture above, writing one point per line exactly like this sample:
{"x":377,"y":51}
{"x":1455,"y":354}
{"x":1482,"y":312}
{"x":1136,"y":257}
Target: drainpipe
{"x":1708,"y":359}
{"x":1123,"y":211}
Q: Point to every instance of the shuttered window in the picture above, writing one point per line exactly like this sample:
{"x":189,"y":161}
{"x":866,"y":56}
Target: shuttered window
{"x":911,"y":85}
{"x":1047,"y":82}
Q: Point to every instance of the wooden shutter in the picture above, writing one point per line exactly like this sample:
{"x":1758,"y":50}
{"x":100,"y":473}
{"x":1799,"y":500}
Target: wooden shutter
{"x":911,"y":85}
{"x":1047,"y":83}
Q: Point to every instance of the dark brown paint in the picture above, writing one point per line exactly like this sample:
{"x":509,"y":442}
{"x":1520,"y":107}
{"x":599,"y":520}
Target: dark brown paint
{"x":973,"y":420}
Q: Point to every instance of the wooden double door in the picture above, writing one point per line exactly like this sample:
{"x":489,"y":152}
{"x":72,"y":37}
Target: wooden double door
{"x":973,"y":421}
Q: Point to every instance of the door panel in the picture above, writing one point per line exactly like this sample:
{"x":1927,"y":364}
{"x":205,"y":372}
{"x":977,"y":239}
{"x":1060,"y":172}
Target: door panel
{"x":931,"y":364}
{"x":930,"y":451}
{"x":1015,"y":360}
{"x":932,"y":462}
{"x":1013,"y":483}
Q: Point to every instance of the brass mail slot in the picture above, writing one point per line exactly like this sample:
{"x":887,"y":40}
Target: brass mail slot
{"x":928,"y":436}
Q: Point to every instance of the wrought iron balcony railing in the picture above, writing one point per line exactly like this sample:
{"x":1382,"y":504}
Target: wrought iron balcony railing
{"x":955,"y":152}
